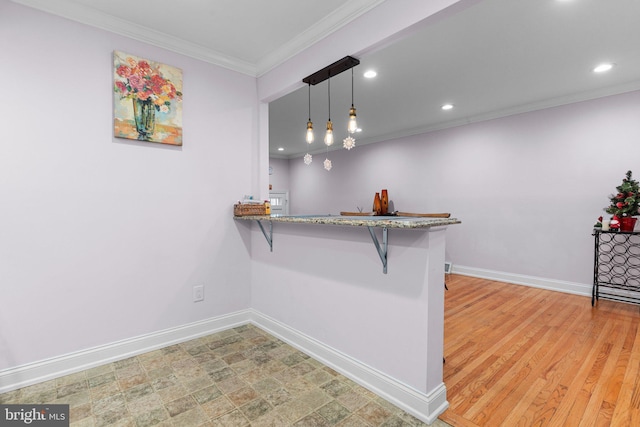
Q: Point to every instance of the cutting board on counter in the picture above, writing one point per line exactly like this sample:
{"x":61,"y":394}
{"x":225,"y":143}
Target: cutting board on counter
{"x":418,"y":215}
{"x":357,"y":213}
{"x":425,"y":215}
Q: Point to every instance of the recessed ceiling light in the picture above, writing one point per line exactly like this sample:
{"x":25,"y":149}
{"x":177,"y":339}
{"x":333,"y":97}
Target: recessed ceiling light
{"x":359,"y":130}
{"x":447,"y":107}
{"x":370,"y":74}
{"x":606,"y":66}
{"x":280,"y":149}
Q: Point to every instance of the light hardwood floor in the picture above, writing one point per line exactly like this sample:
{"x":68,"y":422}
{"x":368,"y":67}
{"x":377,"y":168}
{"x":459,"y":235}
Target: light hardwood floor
{"x":520,"y":356}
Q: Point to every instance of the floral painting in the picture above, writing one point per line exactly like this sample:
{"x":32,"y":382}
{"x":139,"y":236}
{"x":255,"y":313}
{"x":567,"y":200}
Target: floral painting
{"x":147,"y":100}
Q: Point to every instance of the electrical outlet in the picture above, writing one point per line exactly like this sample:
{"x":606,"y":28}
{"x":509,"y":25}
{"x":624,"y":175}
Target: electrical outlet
{"x":198,"y":293}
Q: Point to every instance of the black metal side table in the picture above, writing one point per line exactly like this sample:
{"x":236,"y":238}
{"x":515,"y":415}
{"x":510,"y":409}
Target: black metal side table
{"x":616,"y":267}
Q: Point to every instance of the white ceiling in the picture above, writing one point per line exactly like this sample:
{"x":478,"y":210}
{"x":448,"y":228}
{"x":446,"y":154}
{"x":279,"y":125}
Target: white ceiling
{"x":490,"y":59}
{"x":250,"y":36}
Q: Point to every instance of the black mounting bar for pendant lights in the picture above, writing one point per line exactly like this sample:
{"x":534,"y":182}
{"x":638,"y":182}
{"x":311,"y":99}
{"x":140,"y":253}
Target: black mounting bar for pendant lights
{"x":332,"y":70}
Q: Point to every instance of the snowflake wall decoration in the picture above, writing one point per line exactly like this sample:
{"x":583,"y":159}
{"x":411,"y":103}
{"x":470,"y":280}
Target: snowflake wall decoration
{"x":348,"y":143}
{"x":327,"y":164}
{"x":308,"y":159}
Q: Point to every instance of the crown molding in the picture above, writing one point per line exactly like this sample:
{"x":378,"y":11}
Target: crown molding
{"x":498,"y":114}
{"x":98,"y":19}
{"x":95,"y":18}
{"x":512,"y":111}
{"x":334,"y":21}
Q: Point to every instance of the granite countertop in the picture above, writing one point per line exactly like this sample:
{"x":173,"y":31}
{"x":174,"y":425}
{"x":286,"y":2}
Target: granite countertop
{"x":356,"y":221}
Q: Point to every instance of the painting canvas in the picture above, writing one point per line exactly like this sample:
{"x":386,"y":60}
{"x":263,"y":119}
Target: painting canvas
{"x":147,"y":100}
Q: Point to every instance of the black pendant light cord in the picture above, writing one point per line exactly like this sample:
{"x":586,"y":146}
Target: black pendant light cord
{"x":329,"y":100}
{"x":351,"y":87}
{"x":309,"y":101}
{"x":329,"y":90}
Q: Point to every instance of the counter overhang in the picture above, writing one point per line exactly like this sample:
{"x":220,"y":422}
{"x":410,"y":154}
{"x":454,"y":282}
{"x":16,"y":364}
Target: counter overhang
{"x":356,"y":221}
{"x":371,"y":222}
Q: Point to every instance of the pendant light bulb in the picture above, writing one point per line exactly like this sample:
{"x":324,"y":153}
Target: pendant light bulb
{"x":309,"y":132}
{"x":328,"y":137}
{"x":353,"y":125}
{"x":309,"y":136}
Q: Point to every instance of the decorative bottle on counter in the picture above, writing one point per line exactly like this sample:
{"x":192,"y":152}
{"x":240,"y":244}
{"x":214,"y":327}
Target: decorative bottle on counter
{"x":377,"y":205}
{"x":384,"y":202}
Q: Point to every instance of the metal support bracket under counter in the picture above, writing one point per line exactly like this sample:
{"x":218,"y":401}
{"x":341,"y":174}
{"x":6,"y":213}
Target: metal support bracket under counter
{"x":382,"y":251}
{"x":371,"y":222}
{"x":270,"y":236}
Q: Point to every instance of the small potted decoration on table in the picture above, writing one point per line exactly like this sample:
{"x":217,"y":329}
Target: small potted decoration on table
{"x":624,"y":204}
{"x":598,"y":223}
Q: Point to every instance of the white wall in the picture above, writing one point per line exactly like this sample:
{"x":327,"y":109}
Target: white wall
{"x":528,"y":188}
{"x":102,"y":239}
{"x":327,"y":282}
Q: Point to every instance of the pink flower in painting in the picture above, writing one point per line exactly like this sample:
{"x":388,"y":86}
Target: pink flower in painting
{"x":124,"y":71}
{"x":156,"y":82}
{"x":139,"y":80}
{"x":122,"y":88}
{"x":144,"y":67}
{"x":136,"y":83}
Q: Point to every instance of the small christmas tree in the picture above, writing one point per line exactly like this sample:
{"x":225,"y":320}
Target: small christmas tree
{"x":626,"y":201}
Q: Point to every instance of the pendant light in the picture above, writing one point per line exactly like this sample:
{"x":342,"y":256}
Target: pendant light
{"x":353,"y":125}
{"x":309,"y":123}
{"x":328,"y":137}
{"x":319,"y":76}
{"x":308,"y":158}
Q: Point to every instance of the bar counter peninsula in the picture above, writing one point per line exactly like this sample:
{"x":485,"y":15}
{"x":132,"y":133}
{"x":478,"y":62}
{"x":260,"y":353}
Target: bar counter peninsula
{"x":317,"y":284}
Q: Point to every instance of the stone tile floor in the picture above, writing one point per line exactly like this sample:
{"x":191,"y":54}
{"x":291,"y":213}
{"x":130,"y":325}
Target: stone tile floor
{"x":238,"y":377}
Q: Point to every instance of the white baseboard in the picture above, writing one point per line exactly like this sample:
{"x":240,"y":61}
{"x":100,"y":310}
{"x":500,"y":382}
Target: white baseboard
{"x":45,"y":370}
{"x":520,"y":279}
{"x":426,"y":407}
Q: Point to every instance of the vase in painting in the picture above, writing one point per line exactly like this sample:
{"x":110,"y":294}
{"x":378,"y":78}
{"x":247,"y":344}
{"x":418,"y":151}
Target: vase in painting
{"x":144,"y":114}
